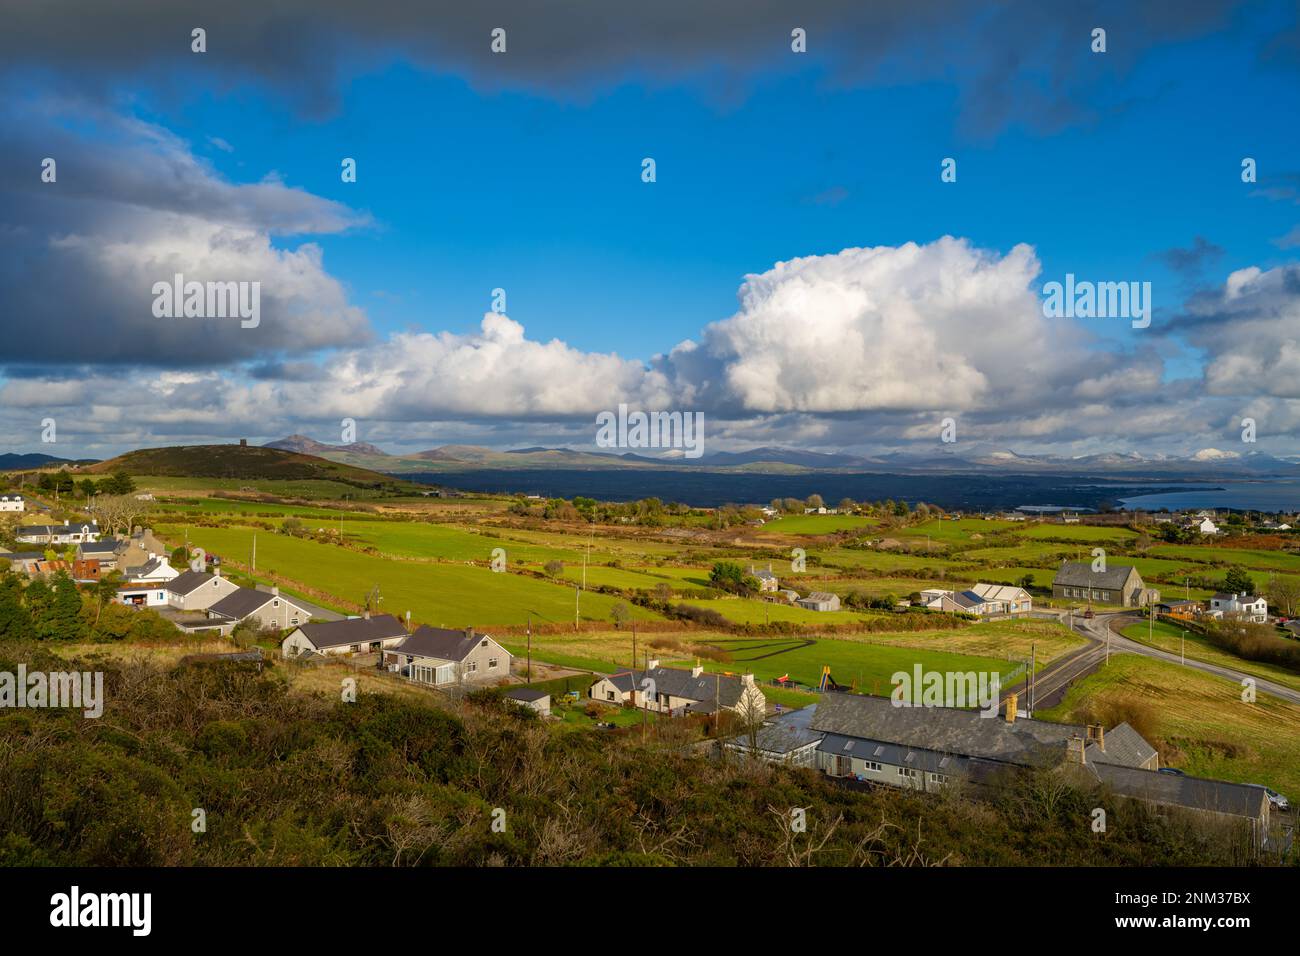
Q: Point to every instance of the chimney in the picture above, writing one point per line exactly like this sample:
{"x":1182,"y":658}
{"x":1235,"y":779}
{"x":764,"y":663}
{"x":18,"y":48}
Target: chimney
{"x":216,"y":571}
{"x":651,"y":665}
{"x":1076,"y":745}
{"x":1097,"y":734}
{"x":469,"y":632}
{"x":747,"y":680}
{"x":1011,"y":708}
{"x":275,"y":590}
{"x":697,"y":670}
{"x":365,"y":615}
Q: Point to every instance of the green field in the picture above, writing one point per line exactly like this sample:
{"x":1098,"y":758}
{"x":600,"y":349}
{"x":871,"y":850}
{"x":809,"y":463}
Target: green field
{"x":1169,"y":637}
{"x":441,"y":594}
{"x":818,"y":524}
{"x":1201,"y":724}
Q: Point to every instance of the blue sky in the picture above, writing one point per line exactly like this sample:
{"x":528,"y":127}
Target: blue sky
{"x":528,"y":179}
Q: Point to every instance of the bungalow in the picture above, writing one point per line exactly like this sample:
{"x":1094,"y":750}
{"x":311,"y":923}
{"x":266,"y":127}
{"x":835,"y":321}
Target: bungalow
{"x":265,"y":609}
{"x":926,"y":748}
{"x":1182,"y":610}
{"x":1245,"y":607}
{"x":1011,"y":599}
{"x":12,"y":503}
{"x":197,"y":591}
{"x":66,"y":533}
{"x":533,"y":699}
{"x":1118,"y":584}
{"x":355,"y":635}
{"x":142,"y":595}
{"x":674,"y":691}
{"x":820,"y":601}
{"x":787,"y":739}
{"x":441,"y":657}
{"x":1205,"y":526}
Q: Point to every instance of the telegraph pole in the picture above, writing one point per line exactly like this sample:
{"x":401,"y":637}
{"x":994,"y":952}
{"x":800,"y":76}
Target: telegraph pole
{"x":254,"y":559}
{"x":530,"y":649}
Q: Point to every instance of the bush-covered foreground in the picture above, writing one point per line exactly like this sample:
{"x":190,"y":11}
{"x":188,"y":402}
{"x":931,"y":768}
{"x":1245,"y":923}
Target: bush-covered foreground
{"x":289,"y":779}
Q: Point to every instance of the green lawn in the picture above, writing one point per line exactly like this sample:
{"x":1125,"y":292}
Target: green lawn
{"x":1078,"y":532}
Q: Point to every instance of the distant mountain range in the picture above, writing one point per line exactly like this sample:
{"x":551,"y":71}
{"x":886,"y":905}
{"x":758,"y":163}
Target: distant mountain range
{"x":1208,"y":464}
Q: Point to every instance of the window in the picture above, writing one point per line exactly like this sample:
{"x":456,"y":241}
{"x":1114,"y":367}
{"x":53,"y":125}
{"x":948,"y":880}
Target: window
{"x":609,"y":695}
{"x":492,"y":663}
{"x":938,"y":778}
{"x":872,"y":766}
{"x":906,"y":772}
{"x":473,"y":666}
{"x":354,"y":648}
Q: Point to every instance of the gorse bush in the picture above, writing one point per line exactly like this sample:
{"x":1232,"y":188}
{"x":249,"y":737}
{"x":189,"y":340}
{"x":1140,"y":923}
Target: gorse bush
{"x":284,"y":778}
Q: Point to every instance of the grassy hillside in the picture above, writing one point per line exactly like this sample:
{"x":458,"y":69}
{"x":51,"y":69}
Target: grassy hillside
{"x":243,"y":462}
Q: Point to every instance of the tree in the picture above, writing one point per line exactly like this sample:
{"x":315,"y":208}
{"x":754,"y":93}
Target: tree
{"x":105,"y":590}
{"x":619,"y":613}
{"x":15,"y":621}
{"x":1283,"y":595}
{"x":847,"y":506}
{"x":815,"y":501}
{"x":730,"y":576}
{"x":553,"y":569}
{"x":119,"y":483}
{"x":1238,"y":581}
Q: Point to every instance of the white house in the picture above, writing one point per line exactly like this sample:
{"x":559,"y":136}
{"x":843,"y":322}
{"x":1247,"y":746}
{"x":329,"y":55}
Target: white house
{"x":1246,"y":607}
{"x":355,"y":635}
{"x":820,"y":601}
{"x":1206,"y":526}
{"x":1012,"y":599}
{"x":439,"y":656}
{"x":157,"y":570}
{"x":143,"y":595}
{"x":766,"y":579}
{"x":198,"y":591}
{"x":12,"y":503}
{"x":66,"y":533}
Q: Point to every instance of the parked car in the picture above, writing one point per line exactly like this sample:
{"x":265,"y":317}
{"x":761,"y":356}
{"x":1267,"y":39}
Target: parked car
{"x":1278,"y":801}
{"x":1173,"y":771}
{"x":1088,"y":614}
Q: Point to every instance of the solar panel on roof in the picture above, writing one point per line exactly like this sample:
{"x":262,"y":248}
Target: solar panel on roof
{"x":879,"y":750}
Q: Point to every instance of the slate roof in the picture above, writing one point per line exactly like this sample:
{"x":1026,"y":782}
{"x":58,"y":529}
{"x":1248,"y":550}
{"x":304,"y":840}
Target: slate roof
{"x":706,"y":688}
{"x":1124,"y":747}
{"x":98,"y":547}
{"x":1080,"y":574}
{"x":149,"y":567}
{"x":354,"y":630}
{"x":928,"y":761}
{"x":527,"y":694}
{"x":783,"y":734}
{"x":239,"y":604}
{"x":440,"y":643}
{"x":820,"y":597}
{"x":947,"y":730}
{"x":1195,"y":793}
{"x":187,"y":582}
{"x":70,"y":528}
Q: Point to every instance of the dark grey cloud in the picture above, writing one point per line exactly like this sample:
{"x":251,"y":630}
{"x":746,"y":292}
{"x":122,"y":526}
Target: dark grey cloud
{"x":1013,"y":61}
{"x":130,"y":207}
{"x":1193,"y":260}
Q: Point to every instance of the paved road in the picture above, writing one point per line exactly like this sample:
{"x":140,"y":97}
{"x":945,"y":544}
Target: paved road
{"x":1053,"y":681}
{"x":1126,"y":645}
